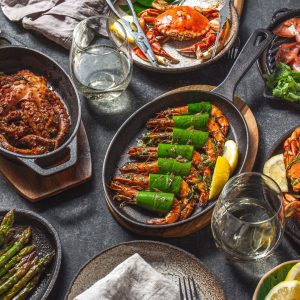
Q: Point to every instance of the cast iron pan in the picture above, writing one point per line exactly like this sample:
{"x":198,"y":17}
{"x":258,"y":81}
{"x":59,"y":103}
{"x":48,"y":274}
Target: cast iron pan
{"x":221,"y":96}
{"x":46,"y":239}
{"x":292,"y":226}
{"x":15,"y":58}
{"x":266,"y":62}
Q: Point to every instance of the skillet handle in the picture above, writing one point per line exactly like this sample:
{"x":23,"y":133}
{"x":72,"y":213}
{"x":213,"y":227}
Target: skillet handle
{"x":256,"y":44}
{"x":35,"y":165}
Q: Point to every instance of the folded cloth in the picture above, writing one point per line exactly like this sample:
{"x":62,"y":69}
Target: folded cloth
{"x":133,"y":279}
{"x":55,"y":19}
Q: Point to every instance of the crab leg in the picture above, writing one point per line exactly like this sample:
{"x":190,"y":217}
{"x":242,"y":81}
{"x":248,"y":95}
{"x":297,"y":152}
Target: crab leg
{"x":201,"y":46}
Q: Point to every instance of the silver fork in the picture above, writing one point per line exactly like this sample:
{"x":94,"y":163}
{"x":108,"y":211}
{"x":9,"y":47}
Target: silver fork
{"x":232,"y":54}
{"x":188,"y":289}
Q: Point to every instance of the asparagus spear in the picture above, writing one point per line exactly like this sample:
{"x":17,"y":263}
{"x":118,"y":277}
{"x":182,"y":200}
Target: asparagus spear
{"x":17,"y":246}
{"x":6,"y":225}
{"x":14,"y":260}
{"x":28,"y":288}
{"x":4,"y":287}
{"x":13,"y":270}
{"x":34,"y":270}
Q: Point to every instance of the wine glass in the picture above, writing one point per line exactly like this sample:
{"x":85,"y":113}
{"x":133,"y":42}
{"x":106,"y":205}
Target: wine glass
{"x":248,"y":219}
{"x":100,"y":59}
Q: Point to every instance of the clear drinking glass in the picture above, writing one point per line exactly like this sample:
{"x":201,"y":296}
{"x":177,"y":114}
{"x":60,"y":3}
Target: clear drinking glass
{"x":248,"y":219}
{"x":100,"y":59}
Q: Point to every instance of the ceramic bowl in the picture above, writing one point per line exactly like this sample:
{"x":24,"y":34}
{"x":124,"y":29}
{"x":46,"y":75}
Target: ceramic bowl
{"x":272,"y":278}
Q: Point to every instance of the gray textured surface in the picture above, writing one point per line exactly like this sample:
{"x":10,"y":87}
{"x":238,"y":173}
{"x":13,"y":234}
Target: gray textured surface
{"x":80,"y":216}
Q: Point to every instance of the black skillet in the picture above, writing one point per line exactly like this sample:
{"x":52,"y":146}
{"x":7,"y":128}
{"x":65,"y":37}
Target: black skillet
{"x":221,"y":96}
{"x":15,"y":58}
{"x":46,"y":239}
{"x":292,"y":226}
{"x":266,"y":62}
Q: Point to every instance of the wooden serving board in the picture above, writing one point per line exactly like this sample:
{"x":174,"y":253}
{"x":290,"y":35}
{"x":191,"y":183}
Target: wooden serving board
{"x":34,"y":187}
{"x":203,"y":220}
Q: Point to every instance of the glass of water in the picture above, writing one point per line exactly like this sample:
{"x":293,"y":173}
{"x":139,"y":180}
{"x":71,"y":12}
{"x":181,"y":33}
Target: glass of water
{"x":248,"y":219}
{"x":100,"y":59}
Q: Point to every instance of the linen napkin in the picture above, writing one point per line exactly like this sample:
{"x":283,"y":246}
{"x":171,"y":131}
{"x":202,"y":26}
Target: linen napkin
{"x":133,"y":279}
{"x":55,"y":19}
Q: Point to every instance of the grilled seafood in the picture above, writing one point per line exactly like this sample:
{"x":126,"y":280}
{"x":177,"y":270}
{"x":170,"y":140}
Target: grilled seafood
{"x":292,"y":159}
{"x":288,"y":53}
{"x":187,"y":156}
{"x":129,"y":195}
{"x":33,"y":119}
{"x":141,"y":181}
{"x":291,"y":206}
{"x":165,"y":21}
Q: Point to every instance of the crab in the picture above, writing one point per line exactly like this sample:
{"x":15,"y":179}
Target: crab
{"x":164,"y":21}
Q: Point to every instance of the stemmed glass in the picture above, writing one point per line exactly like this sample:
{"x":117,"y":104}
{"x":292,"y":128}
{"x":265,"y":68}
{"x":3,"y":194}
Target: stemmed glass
{"x":248,"y":219}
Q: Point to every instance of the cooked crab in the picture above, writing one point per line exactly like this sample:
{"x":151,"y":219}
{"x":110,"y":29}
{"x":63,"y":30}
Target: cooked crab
{"x":164,"y":21}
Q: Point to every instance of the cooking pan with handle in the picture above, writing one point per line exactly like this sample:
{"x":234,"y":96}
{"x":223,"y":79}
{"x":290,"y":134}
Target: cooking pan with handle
{"x":16,"y":57}
{"x":221,"y":96}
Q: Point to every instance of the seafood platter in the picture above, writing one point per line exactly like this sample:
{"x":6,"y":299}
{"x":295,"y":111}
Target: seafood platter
{"x":182,"y":35}
{"x":283,"y":166}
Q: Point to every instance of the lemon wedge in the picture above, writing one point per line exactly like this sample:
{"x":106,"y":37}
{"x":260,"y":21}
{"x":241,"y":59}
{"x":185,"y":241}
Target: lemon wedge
{"x":117,"y":29}
{"x":294,"y":273}
{"x":220,"y":176}
{"x":285,"y":290}
{"x":274,"y":168}
{"x":231,"y":153}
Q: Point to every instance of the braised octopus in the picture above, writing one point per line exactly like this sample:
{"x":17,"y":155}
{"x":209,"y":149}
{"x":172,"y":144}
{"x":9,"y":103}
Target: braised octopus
{"x":33,"y":118}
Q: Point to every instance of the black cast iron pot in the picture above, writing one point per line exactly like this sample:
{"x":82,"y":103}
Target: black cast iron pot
{"x":266,"y":62}
{"x":15,"y":58}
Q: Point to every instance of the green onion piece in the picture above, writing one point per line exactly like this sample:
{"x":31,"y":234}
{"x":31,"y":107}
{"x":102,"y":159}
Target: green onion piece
{"x":157,"y":202}
{"x":165,"y":183}
{"x":198,"y":121}
{"x":171,"y":166}
{"x":170,"y":150}
{"x":199,"y":107}
{"x":196,"y":138}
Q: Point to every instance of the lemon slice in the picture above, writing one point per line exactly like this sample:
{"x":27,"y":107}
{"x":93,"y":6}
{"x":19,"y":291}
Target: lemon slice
{"x":117,"y":29}
{"x":285,"y":290}
{"x":231,"y":153}
{"x":274,"y":167}
{"x":220,"y":176}
{"x":294,"y":273}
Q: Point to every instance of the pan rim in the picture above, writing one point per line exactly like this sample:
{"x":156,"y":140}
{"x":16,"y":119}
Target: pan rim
{"x":76,"y":127}
{"x":132,"y":116}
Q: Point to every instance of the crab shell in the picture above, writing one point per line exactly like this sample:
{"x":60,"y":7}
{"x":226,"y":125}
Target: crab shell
{"x":182,"y":23}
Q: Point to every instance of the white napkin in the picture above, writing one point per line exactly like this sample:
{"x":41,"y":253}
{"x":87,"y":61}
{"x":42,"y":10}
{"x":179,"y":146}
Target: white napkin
{"x":133,"y":279}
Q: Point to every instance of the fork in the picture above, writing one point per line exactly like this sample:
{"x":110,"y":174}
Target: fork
{"x":232,"y":54}
{"x":188,"y":289}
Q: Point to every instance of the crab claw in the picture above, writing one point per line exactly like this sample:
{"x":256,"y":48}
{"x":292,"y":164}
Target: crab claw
{"x":201,"y":46}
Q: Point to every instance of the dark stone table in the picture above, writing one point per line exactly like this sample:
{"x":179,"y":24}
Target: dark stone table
{"x":80,"y":216}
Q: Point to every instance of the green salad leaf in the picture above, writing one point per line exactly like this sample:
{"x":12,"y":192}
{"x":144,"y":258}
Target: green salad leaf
{"x":284,"y":83}
{"x":139,"y":6}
